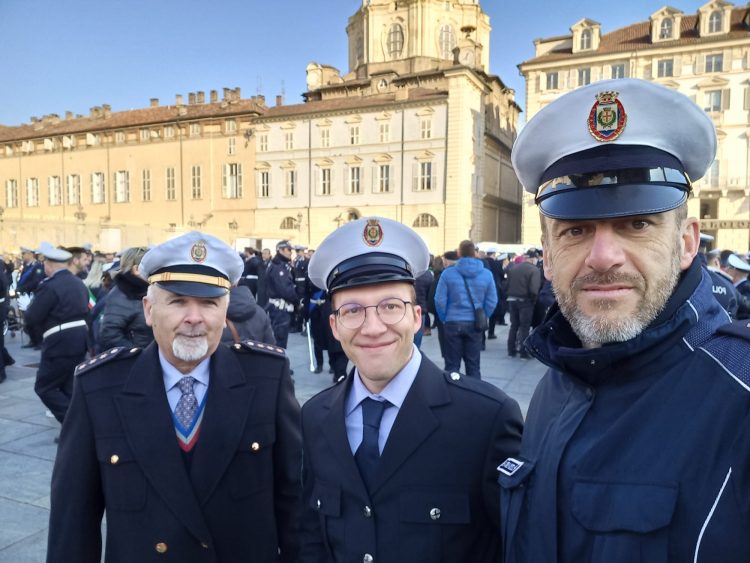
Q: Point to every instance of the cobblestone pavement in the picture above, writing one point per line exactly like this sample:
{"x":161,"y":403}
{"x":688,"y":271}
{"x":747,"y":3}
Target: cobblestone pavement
{"x":27,"y":449}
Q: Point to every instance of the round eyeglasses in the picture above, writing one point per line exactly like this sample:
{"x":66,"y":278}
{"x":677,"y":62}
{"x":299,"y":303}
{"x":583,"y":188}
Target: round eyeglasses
{"x":390,"y":311}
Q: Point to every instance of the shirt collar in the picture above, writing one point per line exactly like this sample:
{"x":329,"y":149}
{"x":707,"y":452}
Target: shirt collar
{"x":172,"y":375}
{"x":394,"y":392}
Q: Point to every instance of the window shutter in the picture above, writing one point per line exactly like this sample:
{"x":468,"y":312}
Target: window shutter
{"x":747,"y":98}
{"x":239,"y":180}
{"x":224,"y":183}
{"x":415,"y":176}
{"x":677,"y":66}
{"x":725,"y":98}
{"x":700,"y":64}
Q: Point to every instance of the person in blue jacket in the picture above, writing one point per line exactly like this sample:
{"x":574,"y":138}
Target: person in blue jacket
{"x":636,"y":441}
{"x":461,"y":290}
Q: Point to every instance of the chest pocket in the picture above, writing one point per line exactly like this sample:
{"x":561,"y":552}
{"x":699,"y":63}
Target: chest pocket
{"x":122,"y":480}
{"x":515,"y":477}
{"x":627,"y":522}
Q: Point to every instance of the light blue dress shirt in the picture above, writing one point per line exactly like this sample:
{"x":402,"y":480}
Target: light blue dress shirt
{"x":172,"y":377}
{"x":395,"y":393}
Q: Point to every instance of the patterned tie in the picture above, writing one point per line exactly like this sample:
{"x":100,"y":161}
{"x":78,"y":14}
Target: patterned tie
{"x":368,"y":453}
{"x":188,"y":403}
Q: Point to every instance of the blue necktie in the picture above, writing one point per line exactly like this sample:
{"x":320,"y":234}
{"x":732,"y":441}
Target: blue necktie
{"x":185,"y":409}
{"x":368,"y":453}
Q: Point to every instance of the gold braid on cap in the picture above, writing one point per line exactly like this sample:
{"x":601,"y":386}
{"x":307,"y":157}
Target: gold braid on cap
{"x":184,"y":277}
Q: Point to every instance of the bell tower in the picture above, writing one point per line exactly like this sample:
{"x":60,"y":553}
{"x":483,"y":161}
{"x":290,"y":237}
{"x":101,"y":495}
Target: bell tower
{"x":406,"y":36}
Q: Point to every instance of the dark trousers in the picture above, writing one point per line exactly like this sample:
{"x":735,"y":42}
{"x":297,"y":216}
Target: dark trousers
{"x":338,"y":361}
{"x":54,"y":382}
{"x":462,"y":342}
{"x":441,"y":335}
{"x":280,"y":321}
{"x":520,"y":324}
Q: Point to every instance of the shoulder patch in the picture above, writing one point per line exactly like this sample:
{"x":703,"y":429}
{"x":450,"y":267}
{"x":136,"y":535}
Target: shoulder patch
{"x":255,"y":346}
{"x":475,"y":385}
{"x":740,"y":329}
{"x":119,"y":352}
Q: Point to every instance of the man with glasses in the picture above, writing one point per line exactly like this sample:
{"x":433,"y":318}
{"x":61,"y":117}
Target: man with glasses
{"x":400,"y":457}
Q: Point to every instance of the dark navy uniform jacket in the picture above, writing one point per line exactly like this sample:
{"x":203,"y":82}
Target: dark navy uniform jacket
{"x":31,"y":276}
{"x":118,"y":452}
{"x":636,"y":451}
{"x":280,"y":280}
{"x":434,"y":495}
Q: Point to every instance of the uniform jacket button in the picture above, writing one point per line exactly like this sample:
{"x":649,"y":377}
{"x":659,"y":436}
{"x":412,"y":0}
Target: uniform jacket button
{"x":455,"y":376}
{"x":435,"y":513}
{"x":255,"y":446}
{"x":161,"y":547}
{"x":114,"y":459}
{"x":368,"y":558}
{"x":317,"y":504}
{"x":204,"y":545}
{"x":368,"y":512}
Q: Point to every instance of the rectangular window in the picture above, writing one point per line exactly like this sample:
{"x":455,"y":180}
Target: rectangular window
{"x":169,"y":132}
{"x":290,"y":183}
{"x":145,"y":135}
{"x":54,"y":188}
{"x":385,"y":132}
{"x":146,"y":185}
{"x":325,"y":137}
{"x":384,"y":178}
{"x":712,"y":176}
{"x":264,"y":183}
{"x":97,"y":187}
{"x":230,"y":126}
{"x":195,"y":129}
{"x":232,"y":146}
{"x":11,"y":193}
{"x":232,"y":181}
{"x":171,"y":185}
{"x":426,"y":128}
{"x":424,"y":178}
{"x":354,"y":135}
{"x":73,"y":182}
{"x":122,"y":186}
{"x":262,"y":143}
{"x":289,"y":140}
{"x":664,"y":68}
{"x":713,"y":101}
{"x":618,"y":70}
{"x":714,"y":63}
{"x":355,"y":176}
{"x":119,"y":137}
{"x":32,"y":192}
{"x":552,"y":81}
{"x":584,"y":76}
{"x":196,"y":182}
{"x":325,"y":181}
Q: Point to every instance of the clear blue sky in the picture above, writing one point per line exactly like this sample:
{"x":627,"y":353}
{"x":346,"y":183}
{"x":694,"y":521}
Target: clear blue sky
{"x":58,"y":55}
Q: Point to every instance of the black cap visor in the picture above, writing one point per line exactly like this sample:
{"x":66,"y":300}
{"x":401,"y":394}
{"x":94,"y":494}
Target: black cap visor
{"x":369,"y":269}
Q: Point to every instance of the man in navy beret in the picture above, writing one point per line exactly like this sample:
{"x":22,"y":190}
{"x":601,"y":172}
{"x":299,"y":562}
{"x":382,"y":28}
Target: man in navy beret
{"x":191,"y":448}
{"x":636,"y":441}
{"x":400,"y":457}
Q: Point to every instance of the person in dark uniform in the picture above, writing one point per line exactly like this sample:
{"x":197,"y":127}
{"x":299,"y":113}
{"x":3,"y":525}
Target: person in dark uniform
{"x":251,"y":271}
{"x":29,"y":278}
{"x":400,"y":457}
{"x":6,"y":359}
{"x":318,"y":311}
{"x":721,"y":284}
{"x":282,"y":292}
{"x":496,"y":267}
{"x":58,"y":312}
{"x":191,"y":448}
{"x":636,"y":440}
{"x":738,"y":270}
{"x":299,"y":271}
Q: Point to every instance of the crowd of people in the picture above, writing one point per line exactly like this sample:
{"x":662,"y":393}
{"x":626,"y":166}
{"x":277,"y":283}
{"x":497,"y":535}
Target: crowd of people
{"x":634,"y":447}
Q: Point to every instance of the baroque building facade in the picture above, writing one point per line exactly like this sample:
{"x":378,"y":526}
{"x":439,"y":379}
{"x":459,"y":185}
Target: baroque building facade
{"x":416,"y":130}
{"x":706,"y":56}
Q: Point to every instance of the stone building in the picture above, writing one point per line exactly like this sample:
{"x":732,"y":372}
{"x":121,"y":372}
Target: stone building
{"x":706,"y":56}
{"x":417,"y":130}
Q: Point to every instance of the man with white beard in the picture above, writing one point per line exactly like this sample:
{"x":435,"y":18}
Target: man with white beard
{"x":636,"y":443}
{"x":193,"y":449}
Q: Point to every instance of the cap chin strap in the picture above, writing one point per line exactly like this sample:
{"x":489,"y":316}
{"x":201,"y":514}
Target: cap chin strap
{"x":185,"y":277}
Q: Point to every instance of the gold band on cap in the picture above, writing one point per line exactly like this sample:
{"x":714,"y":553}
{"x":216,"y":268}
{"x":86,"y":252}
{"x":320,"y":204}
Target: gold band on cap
{"x":185,"y":277}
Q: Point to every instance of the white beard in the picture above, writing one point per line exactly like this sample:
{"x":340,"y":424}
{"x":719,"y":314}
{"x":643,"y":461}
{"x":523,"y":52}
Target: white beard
{"x":190,"y":349}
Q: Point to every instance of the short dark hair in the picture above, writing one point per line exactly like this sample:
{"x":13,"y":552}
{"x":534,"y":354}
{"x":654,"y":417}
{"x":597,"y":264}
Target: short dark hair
{"x":466,"y":249}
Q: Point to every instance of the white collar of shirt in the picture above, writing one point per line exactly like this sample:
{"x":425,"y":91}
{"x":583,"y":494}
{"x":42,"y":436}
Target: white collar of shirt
{"x":172,"y":375}
{"x":396,"y":390}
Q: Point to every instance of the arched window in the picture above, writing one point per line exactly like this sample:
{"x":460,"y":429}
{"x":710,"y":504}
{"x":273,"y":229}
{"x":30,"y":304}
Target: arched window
{"x":447,"y":42}
{"x":585,"y":39}
{"x":425,"y":220}
{"x":395,"y":40}
{"x":665,"y":31}
{"x":288,"y":223}
{"x":714,"y":22}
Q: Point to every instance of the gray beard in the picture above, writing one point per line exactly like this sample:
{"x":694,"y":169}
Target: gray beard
{"x":595,"y":330}
{"x":190,"y":349}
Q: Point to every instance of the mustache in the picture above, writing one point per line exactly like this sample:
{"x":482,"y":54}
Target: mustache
{"x":608,"y":278}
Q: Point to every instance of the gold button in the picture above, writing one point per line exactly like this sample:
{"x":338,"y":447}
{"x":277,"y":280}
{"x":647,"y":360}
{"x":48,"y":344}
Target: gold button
{"x":114,"y":459}
{"x":255,"y":446}
{"x":161,"y":547}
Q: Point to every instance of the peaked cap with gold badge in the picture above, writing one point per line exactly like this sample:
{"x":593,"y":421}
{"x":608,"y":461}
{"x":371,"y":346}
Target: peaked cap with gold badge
{"x":614,"y":148}
{"x":194,"y":264}
{"x":368,"y":251}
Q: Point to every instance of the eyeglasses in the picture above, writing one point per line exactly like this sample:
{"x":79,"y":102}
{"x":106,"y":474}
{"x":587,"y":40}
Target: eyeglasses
{"x":390,"y":311}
